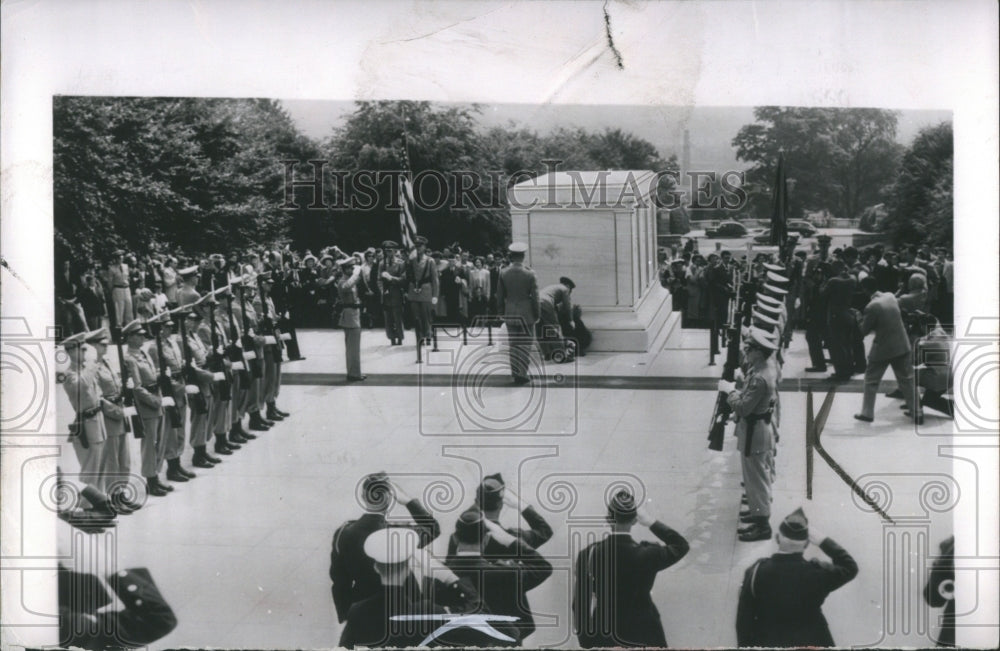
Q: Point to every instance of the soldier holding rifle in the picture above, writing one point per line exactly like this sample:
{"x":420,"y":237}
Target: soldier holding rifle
{"x":149,"y":404}
{"x":167,"y":357}
{"x":196,"y":374}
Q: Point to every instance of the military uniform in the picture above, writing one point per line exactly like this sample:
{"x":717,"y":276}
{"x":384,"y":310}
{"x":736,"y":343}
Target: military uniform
{"x":121,"y":293}
{"x":174,"y":436}
{"x":199,"y":376}
{"x":268,"y":319}
{"x":148,"y":404}
{"x":518,"y":303}
{"x":391,"y":277}
{"x":350,"y":317}
{"x":221,"y":402}
{"x":423,"y":290}
{"x":117,"y":461}
{"x":87,"y":432}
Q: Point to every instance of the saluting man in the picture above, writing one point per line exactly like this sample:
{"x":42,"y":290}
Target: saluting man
{"x":350,"y":316}
{"x":423,"y":289}
{"x":149,"y":406}
{"x":752,"y":402}
{"x":781,"y":597}
{"x":491,"y":496}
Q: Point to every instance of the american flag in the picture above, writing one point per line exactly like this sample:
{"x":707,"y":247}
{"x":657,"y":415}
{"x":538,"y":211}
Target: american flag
{"x":407,"y":227}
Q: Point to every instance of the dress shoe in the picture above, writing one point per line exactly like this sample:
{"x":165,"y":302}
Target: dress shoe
{"x":864,"y":419}
{"x":756,"y":532}
{"x":357,"y":378}
{"x":187,"y":473}
{"x":746,"y":518}
{"x":816,"y":369}
{"x":272,"y":414}
{"x":238,"y":428}
{"x":257,"y":423}
{"x":166,"y":487}
{"x":236,"y":437}
{"x":154,"y":488}
{"x":201,"y":454}
{"x":232,"y":445}
{"x":280,"y":412}
{"x":895,"y":394}
{"x":118,"y":498}
{"x":176,"y":476}
{"x":222,"y":448}
{"x":201,"y":462}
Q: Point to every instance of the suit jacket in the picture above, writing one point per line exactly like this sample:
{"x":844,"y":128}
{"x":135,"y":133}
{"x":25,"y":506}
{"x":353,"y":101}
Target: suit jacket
{"x":517,"y":295}
{"x":781,"y":597}
{"x":351,"y":570}
{"x":839,"y":294}
{"x":422,"y":279}
{"x":613,"y":578}
{"x":147,"y":616}
{"x":556,"y":306}
{"x":882,"y":316}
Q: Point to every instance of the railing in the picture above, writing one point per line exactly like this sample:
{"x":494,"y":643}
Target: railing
{"x":460,"y":329}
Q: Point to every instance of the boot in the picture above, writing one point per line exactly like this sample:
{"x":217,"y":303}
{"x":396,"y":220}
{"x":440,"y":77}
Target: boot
{"x":238,"y":425}
{"x":231,"y":444}
{"x":283,"y":414}
{"x":200,"y":458}
{"x":257,"y":423}
{"x":184,"y":471}
{"x":272,"y":413}
{"x":153,"y":487}
{"x":119,"y":499}
{"x":759,"y":530}
{"x":174,"y":471}
{"x":236,"y":437}
{"x":221,"y":447}
{"x":100,"y":505}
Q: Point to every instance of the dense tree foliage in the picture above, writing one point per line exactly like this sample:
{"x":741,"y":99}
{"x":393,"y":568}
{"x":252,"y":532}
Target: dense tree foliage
{"x":841,"y":159}
{"x":920,"y":205}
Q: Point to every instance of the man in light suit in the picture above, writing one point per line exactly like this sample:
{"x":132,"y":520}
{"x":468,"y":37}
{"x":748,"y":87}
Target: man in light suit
{"x":518,"y":302}
{"x":423,"y":289}
{"x":890,"y":348}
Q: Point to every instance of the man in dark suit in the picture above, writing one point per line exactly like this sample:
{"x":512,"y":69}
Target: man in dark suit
{"x":556,"y":307}
{"x":891,"y":347}
{"x":613,"y":578}
{"x":353,"y":575}
{"x":391,"y":277}
{"x":517,"y":302}
{"x":491,"y":496}
{"x":502,"y":579}
{"x":781,"y":596}
{"x":837,"y":293}
{"x":423,"y":289}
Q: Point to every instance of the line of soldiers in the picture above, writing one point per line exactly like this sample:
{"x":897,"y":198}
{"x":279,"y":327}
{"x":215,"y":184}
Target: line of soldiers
{"x":189,"y":374}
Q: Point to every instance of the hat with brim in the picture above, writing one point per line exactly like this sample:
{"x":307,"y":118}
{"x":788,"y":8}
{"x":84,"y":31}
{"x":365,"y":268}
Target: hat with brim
{"x":310,"y":257}
{"x":762,"y":339}
{"x":392,"y":545}
{"x":389,"y":244}
{"x":136,"y":327}
{"x":767,"y":308}
{"x":421,"y":240}
{"x":774,"y":289}
{"x":217,"y":257}
{"x":766,"y":318}
{"x":777,"y":268}
{"x":770,"y":300}
{"x":264,"y":277}
{"x":99,"y":336}
{"x":73,"y":341}
{"x":349,"y":261}
{"x":775,"y":277}
{"x":518,"y":247}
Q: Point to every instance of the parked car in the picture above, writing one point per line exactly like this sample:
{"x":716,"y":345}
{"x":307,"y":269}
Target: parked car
{"x":804,"y":229}
{"x":764,"y":237}
{"x":727,"y":229}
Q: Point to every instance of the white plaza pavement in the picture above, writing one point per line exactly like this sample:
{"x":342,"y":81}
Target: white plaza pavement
{"x":242,"y":552}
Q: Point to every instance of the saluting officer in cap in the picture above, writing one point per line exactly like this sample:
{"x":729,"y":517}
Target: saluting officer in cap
{"x":781,"y":597}
{"x":121,"y":292}
{"x":423,"y":289}
{"x":752,"y":403}
{"x":501,"y":567}
{"x":391,"y":277}
{"x":351,"y":570}
{"x":612,"y":605}
{"x":491,"y":496}
{"x":350,"y":315}
{"x":518,"y":302}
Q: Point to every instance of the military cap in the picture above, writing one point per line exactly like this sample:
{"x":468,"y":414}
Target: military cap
{"x":188,"y":271}
{"x":73,"y":341}
{"x":191,"y":314}
{"x":420,"y":239}
{"x":774,"y":277}
{"x":377,"y":489}
{"x":563,"y":280}
{"x":518,"y":247}
{"x":490,"y":492}
{"x":469,"y":527}
{"x":389,"y":244}
{"x":325,"y":258}
{"x":622,"y":506}
{"x":99,"y":336}
{"x":136,"y":327}
{"x":770,"y":300}
{"x":774,"y":289}
{"x":795,"y":526}
{"x":370,"y":249}
{"x":762,"y":339}
{"x":118,"y":252}
{"x":772,"y":311}
{"x":392,"y":545}
{"x":766,"y":318}
{"x":777,"y":268}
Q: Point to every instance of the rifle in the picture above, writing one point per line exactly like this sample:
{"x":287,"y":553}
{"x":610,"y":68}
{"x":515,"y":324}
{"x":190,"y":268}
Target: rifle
{"x":215,"y":359}
{"x":194,"y":395}
{"x":235,"y":351}
{"x":166,"y":384}
{"x":133,"y":422}
{"x":739,"y":309}
{"x":249,"y":344}
{"x":268,"y":325}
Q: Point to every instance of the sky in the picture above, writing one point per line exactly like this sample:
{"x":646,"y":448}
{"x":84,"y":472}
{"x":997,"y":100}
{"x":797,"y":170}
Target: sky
{"x":711,"y":128}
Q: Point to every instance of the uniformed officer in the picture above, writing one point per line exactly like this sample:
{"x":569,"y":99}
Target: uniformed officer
{"x":253,"y":355}
{"x":87,"y":431}
{"x":241,"y":369}
{"x":555,"y":307}
{"x":148,"y":404}
{"x":518,"y":302}
{"x":175,"y":437}
{"x":781,"y":597}
{"x":401,"y":612}
{"x":752,"y":403}
{"x":350,"y":315}
{"x":268,"y":320}
{"x":188,"y":293}
{"x":817,"y":270}
{"x":612,"y":605}
{"x":117,"y":462}
{"x":200,"y":376}
{"x":351,"y":571}
{"x":423,"y":289}
{"x":391,"y":280}
{"x":491,"y":496}
{"x":121,"y":292}
{"x":502,"y":579}
{"x":213,"y":337}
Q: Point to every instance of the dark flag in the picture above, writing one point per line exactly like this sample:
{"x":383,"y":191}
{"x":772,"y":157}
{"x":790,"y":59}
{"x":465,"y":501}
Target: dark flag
{"x":779,"y":218}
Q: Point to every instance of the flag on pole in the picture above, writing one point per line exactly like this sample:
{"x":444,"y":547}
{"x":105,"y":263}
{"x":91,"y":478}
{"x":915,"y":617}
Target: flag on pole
{"x":407,"y":226}
{"x":779,"y":218}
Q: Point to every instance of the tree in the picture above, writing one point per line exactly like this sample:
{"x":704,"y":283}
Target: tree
{"x":920,"y":205}
{"x":841,"y":159}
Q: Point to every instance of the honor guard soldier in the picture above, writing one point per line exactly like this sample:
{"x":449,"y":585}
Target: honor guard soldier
{"x":518,"y":303}
{"x":391,"y":278}
{"x":254,"y":353}
{"x":612,"y":606}
{"x":350,"y":315}
{"x":212,"y":336}
{"x":241,"y":369}
{"x":781,"y":597}
{"x":406,"y":610}
{"x":351,"y":570}
{"x":117,"y":462}
{"x":502,"y":578}
{"x":423,"y":289}
{"x":87,"y":431}
{"x":187,"y":293}
{"x":148,"y":404}
{"x":173,"y":360}
{"x":491,"y":496}
{"x":752,"y":403}
{"x":268,"y":320}
{"x":203,"y":379}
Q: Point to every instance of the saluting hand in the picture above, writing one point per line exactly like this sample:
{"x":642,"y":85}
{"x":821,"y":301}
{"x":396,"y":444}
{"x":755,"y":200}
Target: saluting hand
{"x":498,"y":533}
{"x":510,"y":498}
{"x":643,"y":517}
{"x":401,"y":495}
